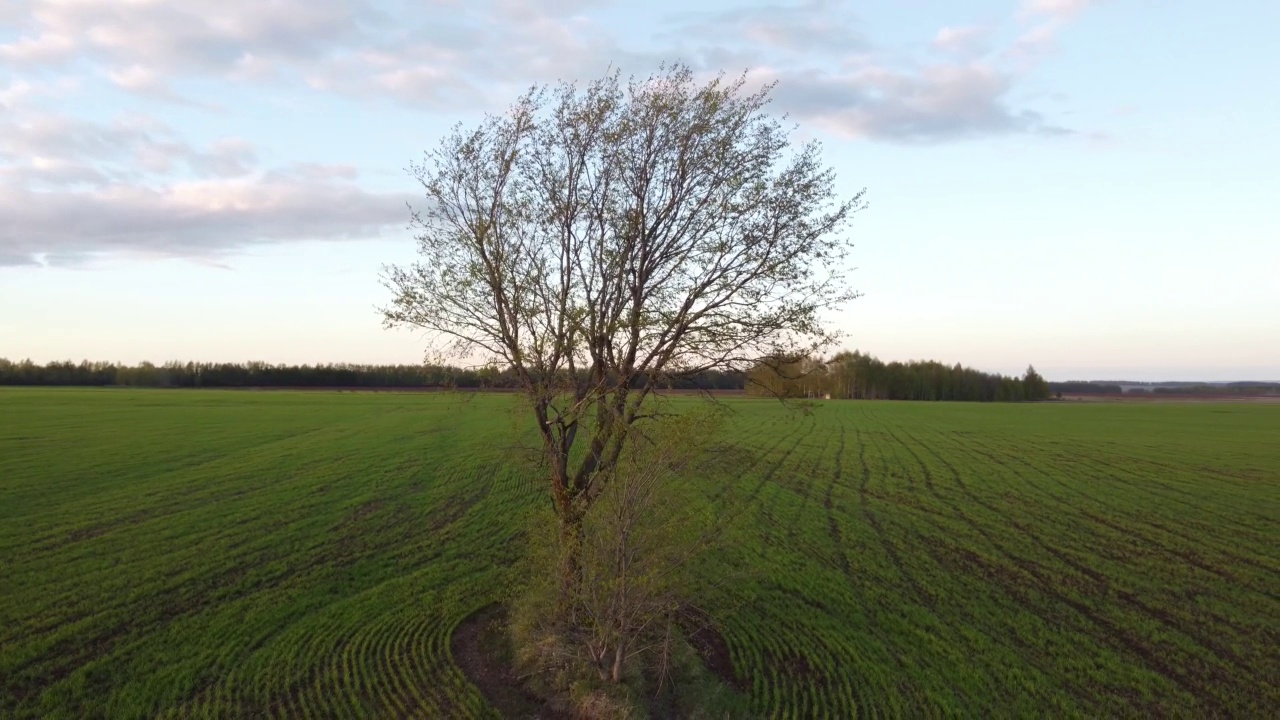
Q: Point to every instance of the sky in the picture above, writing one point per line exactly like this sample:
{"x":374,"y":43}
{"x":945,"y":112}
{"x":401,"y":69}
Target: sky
{"x":1084,"y":185}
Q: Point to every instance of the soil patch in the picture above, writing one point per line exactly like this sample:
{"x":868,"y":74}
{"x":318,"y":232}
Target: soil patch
{"x":710,"y":646}
{"x":482,"y":650}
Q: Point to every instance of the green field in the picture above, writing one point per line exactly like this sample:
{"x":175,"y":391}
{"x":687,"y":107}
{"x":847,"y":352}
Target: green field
{"x":247,"y":554}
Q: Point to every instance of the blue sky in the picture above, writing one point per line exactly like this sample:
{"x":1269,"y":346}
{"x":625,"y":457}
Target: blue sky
{"x":1088,"y":186}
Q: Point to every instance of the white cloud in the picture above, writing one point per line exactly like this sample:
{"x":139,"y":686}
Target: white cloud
{"x":71,"y":188}
{"x":201,"y":36}
{"x":14,"y":93}
{"x":1050,"y":17}
{"x":1055,"y":8}
{"x":1036,"y":42}
{"x":47,"y":47}
{"x":202,"y":219}
{"x":808,"y":28}
{"x":136,"y":77}
{"x":965,"y":40}
{"x":129,"y":148}
{"x":932,"y":103}
{"x":456,"y":55}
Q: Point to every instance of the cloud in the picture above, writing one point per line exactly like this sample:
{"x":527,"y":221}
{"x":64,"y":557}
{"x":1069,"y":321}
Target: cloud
{"x":525,"y":9}
{"x":425,"y":76}
{"x":1050,"y":17}
{"x":44,"y":48}
{"x":150,"y":82}
{"x":456,"y":55}
{"x":135,"y":77}
{"x":829,"y":74}
{"x":195,"y":36}
{"x":480,"y":55}
{"x":442,"y":54}
{"x":964,"y":41}
{"x":933,"y":103}
{"x":228,"y":157}
{"x":14,"y":93}
{"x":19,"y":93}
{"x":7,"y":260}
{"x":813,"y":27}
{"x":1036,"y":42}
{"x":72,"y":189}
{"x":200,"y":219}
{"x":58,"y":149}
{"x":1064,"y":9}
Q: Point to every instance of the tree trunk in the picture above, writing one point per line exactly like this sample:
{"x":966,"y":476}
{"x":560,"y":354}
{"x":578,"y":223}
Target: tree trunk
{"x":617,"y":664}
{"x":570,"y":559}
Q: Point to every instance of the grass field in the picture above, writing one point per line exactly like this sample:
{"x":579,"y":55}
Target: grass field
{"x":241,"y":554}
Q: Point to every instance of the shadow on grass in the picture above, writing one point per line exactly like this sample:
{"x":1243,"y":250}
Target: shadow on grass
{"x":701,"y":683}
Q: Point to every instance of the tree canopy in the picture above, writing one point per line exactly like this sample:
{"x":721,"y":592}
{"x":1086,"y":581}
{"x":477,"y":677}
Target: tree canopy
{"x":604,"y":241}
{"x":860,"y":376}
{"x":600,"y":241}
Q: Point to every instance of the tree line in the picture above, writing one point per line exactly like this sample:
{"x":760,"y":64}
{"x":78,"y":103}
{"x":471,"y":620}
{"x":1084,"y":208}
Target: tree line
{"x":859,"y":376}
{"x":176,"y":374}
{"x":1250,"y":389}
{"x":1085,"y":387}
{"x":1242,"y":389}
{"x":847,"y":375}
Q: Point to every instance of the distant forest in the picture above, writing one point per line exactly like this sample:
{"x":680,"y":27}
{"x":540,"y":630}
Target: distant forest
{"x":261,"y":374}
{"x":1243,"y":389}
{"x":852,"y":375}
{"x":847,"y":375}
{"x":855,"y":375}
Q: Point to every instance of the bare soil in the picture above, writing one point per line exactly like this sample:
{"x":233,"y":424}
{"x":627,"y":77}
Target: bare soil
{"x":711,"y":647}
{"x":481,"y":648}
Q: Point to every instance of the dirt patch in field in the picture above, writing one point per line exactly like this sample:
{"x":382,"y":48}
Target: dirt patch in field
{"x":710,"y":646}
{"x":482,"y":650}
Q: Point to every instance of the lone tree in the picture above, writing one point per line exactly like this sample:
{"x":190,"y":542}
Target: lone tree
{"x":1034,"y":386}
{"x":603,"y":241}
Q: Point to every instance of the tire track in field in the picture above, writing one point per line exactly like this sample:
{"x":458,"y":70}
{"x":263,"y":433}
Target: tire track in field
{"x":863,"y":499}
{"x":1115,"y":635}
{"x":805,"y":480}
{"x":392,"y":690}
{"x":988,"y":452}
{"x":793,"y":673}
{"x":1126,"y":638}
{"x":376,"y":665}
{"x":1120,"y":530}
{"x":751,"y":500}
{"x":1162,"y":547}
{"x":1031,"y":654}
{"x":1238,"y":481}
{"x":1156,"y":488}
{"x":799,"y":434}
{"x":196,"y":546}
{"x":1150,"y":485}
{"x":399,"y":655}
{"x":927,"y":478}
{"x":759,"y":458}
{"x":833,"y":525}
{"x":1187,"y":556}
{"x":726,"y":458}
{"x":1104,"y":583}
{"x":809,"y":678}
